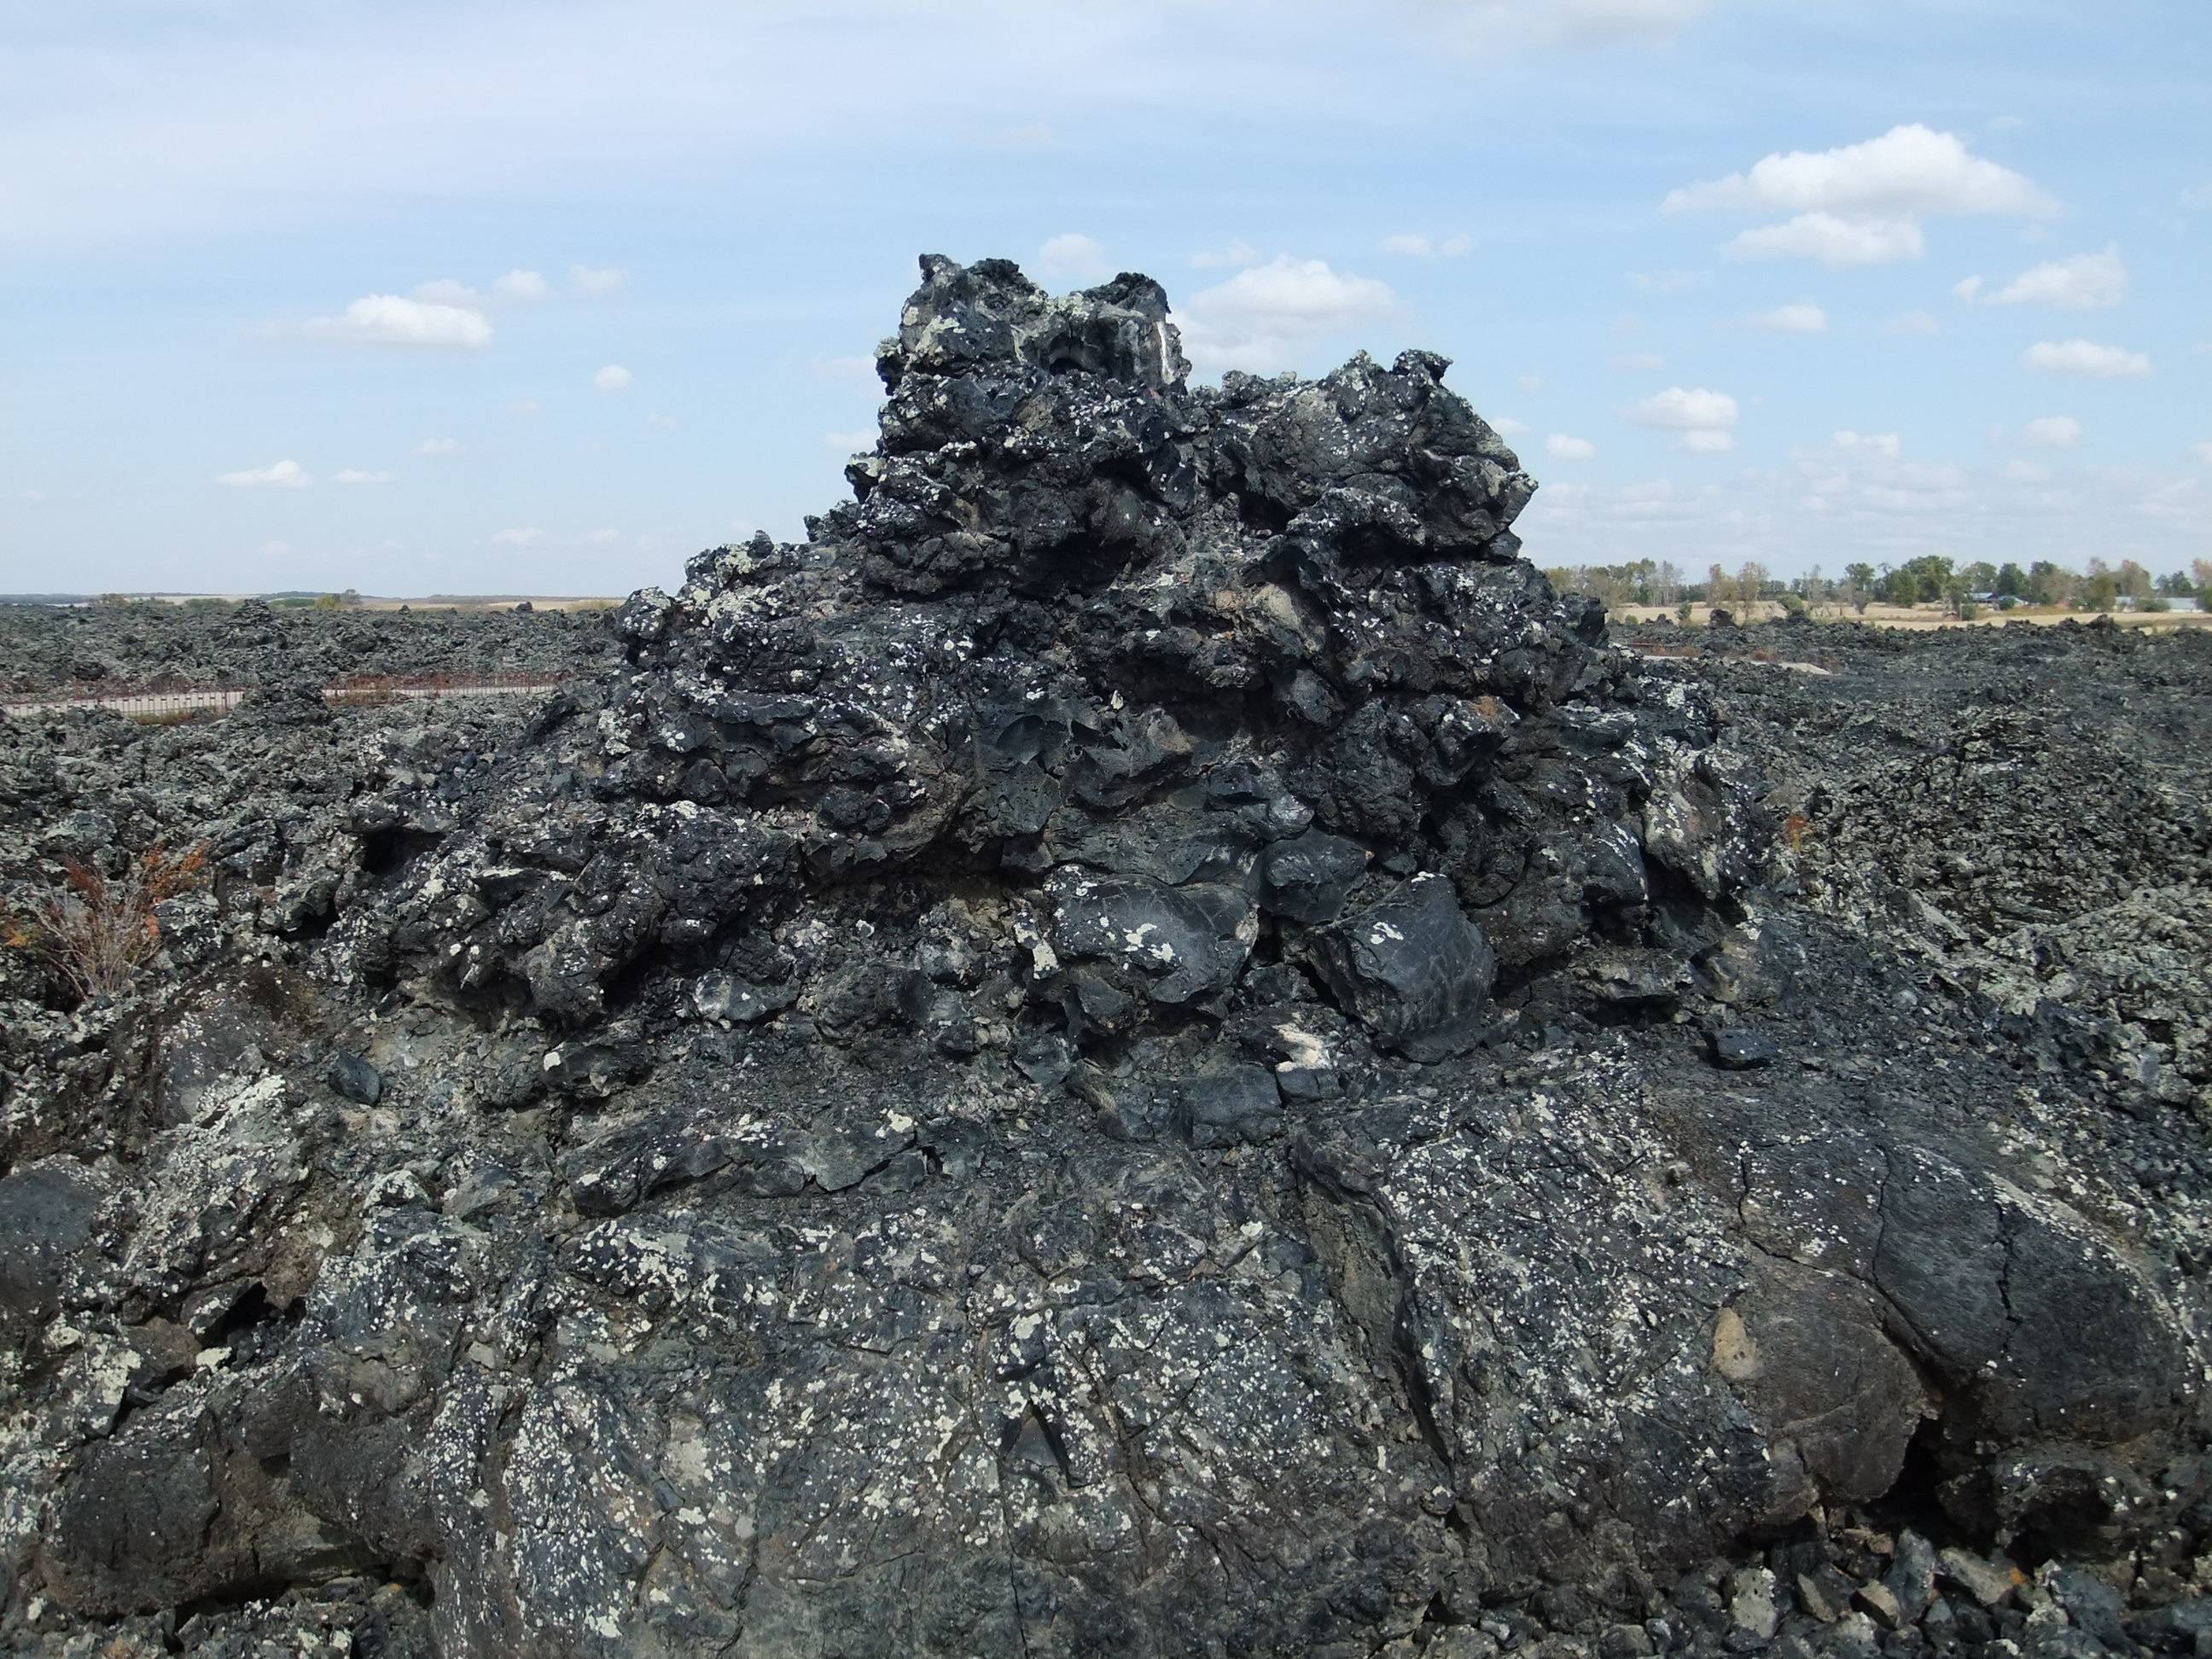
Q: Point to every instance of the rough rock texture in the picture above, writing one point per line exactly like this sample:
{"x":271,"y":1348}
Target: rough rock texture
{"x":1146,"y":1046}
{"x":98,"y":649}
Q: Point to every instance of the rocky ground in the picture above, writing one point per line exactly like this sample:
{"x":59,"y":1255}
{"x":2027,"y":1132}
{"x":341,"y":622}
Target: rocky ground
{"x":100,"y":648}
{"x":1146,"y":1046}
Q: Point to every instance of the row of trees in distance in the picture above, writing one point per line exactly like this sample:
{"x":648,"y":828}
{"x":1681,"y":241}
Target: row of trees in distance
{"x":1931,"y":579}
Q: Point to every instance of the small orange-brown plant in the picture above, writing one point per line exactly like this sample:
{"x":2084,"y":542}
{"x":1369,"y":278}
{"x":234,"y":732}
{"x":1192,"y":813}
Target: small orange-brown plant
{"x":97,"y":933}
{"x":1795,"y":829}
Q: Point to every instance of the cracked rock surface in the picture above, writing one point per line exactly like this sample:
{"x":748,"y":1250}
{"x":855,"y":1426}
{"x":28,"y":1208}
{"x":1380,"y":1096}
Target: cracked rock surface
{"x":1146,"y":1045}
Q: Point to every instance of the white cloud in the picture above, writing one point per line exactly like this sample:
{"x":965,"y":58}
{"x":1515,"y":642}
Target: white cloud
{"x":1681,"y":408}
{"x":613,"y":378}
{"x":1638,"y":362}
{"x":275,"y":549}
{"x":1073,"y":258}
{"x":1561,"y":447}
{"x":1266,"y":317}
{"x":524,"y":286}
{"x":1802,"y":317}
{"x":1233,"y":254}
{"x":1703,"y":418}
{"x":1528,"y":383}
{"x":2088,"y":282}
{"x":603,"y":537}
{"x":586,"y":280}
{"x":388,"y":320}
{"x":1413,"y":245}
{"x":355,"y":474}
{"x":2054,"y":432}
{"x":278,"y":475}
{"x":1909,"y":170}
{"x":660,"y":422}
{"x":2019,"y":471}
{"x":1832,"y":240}
{"x":439,"y":447}
{"x":1967,"y":288}
{"x":1885,"y":444}
{"x":849,"y":443}
{"x":34,"y":496}
{"x":1506,"y":427}
{"x":2083,"y":357}
{"x":1913,"y":322}
{"x":445,"y":291}
{"x":1863,"y":204}
{"x":525,"y":536}
{"x":525,"y":406}
{"x":2202,"y":451}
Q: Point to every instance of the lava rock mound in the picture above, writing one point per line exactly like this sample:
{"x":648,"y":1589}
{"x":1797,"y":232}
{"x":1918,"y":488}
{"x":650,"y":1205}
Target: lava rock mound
{"x":1113,"y":1055}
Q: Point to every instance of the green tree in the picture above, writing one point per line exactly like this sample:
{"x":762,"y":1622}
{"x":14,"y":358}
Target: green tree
{"x":2011,"y":582}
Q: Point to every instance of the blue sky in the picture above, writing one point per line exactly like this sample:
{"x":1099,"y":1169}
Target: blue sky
{"x":491,"y":296}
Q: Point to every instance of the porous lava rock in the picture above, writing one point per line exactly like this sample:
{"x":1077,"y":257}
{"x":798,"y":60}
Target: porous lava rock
{"x":1112,"y":1055}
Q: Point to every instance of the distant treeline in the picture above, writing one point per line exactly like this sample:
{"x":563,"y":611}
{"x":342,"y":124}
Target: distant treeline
{"x":1932,"y":580}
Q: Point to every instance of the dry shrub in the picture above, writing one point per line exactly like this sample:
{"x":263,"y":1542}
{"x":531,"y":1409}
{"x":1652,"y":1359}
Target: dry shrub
{"x":96,"y":932}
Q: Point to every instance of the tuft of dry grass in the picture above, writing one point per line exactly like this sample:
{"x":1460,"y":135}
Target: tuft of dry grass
{"x":96,"y":932}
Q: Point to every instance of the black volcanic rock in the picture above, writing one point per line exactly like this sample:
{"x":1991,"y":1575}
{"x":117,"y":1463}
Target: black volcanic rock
{"x":1107,"y":1056}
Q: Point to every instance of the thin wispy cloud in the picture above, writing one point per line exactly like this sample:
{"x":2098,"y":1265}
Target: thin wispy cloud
{"x":278,"y":475}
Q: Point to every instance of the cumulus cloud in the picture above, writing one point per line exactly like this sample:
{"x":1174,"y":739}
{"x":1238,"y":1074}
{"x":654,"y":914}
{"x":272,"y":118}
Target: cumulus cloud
{"x":1414,"y":246}
{"x":1802,"y":318}
{"x":355,"y":474}
{"x":1506,"y":427}
{"x":1863,"y":204}
{"x":525,"y":406}
{"x":1561,"y":447}
{"x":2054,"y":432}
{"x":1833,"y":240}
{"x":2088,"y":282}
{"x":527,"y":536}
{"x":277,"y":474}
{"x":439,"y":447}
{"x":389,"y":319}
{"x":593,"y":282}
{"x":2104,"y":362}
{"x":1704,"y":419}
{"x":1908,"y":170}
{"x":1228,"y":255}
{"x":613,"y":378}
{"x":1266,"y":317}
{"x":1073,"y":258}
{"x":522,"y":286}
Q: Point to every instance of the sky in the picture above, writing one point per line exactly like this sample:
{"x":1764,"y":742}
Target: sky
{"x":486,"y":296}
